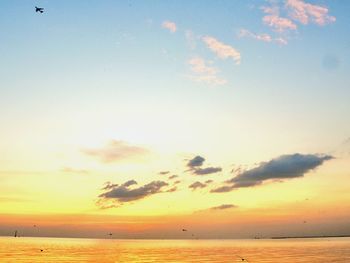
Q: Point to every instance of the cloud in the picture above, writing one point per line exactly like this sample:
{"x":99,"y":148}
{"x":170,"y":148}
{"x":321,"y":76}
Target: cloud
{"x":209,"y":181}
{"x":305,"y":12}
{"x":281,"y":40}
{"x":173,"y":177}
{"x":196,"y":161}
{"x":280,"y":168}
{"x":197,"y":185}
{"x":177,"y":182}
{"x":73,"y":170}
{"x":272,"y":19}
{"x":222,"y":189}
{"x":109,"y":185}
{"x":205,"y":73}
{"x":222,"y":50}
{"x":222,"y":207}
{"x":207,"y":170}
{"x":171,"y":26}
{"x":116,"y":195}
{"x":195,"y":166}
{"x":217,"y":208}
{"x":115,"y":151}
{"x":261,"y":37}
{"x":198,"y":65}
{"x":171,"y":190}
{"x":164,"y":172}
{"x":129,"y":183}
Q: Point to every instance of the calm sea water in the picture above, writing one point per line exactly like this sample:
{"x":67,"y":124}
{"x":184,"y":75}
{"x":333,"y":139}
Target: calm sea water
{"x":93,"y":250}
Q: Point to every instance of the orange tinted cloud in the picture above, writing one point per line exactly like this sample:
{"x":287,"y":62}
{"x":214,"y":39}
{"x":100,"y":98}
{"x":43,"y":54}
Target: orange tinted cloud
{"x":222,"y":50}
{"x":204,"y":72}
{"x":171,"y":26}
{"x":274,"y":20}
{"x":305,"y":12}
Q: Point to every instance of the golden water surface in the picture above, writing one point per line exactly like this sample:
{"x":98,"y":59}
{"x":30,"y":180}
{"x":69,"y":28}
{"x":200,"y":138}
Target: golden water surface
{"x":94,"y":250}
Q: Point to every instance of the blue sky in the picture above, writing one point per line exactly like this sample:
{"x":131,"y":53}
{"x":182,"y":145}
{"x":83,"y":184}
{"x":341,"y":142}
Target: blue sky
{"x":116,"y":55}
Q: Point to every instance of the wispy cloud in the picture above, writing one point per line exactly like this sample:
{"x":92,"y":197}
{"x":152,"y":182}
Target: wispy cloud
{"x":109,"y":185}
{"x":199,"y":66}
{"x":281,"y":40}
{"x":164,"y":172}
{"x":223,"y":207}
{"x":217,"y":208}
{"x":171,"y":190}
{"x":305,"y":12}
{"x":115,"y":151}
{"x":273,"y":19}
{"x":203,"y":72}
{"x":197,"y":185}
{"x":261,"y":37}
{"x":223,"y":51}
{"x":280,"y":168}
{"x":119,"y":194}
{"x":207,"y":170}
{"x":173,"y":177}
{"x":295,"y":10}
{"x":171,"y":26}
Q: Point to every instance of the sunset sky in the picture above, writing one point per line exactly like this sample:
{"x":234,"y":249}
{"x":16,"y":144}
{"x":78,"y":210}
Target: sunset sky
{"x":142,"y":118}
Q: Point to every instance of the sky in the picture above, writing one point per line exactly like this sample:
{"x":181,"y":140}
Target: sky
{"x":229,"y":119}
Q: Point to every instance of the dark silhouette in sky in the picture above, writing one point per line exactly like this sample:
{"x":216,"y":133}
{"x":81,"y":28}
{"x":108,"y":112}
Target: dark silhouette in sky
{"x":39,"y":9}
{"x":243,"y":259}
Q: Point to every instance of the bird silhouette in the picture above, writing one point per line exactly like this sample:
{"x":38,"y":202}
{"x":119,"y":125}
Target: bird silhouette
{"x":39,"y":9}
{"x":243,"y":259}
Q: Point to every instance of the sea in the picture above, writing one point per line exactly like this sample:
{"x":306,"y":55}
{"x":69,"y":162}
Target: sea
{"x":303,"y":250}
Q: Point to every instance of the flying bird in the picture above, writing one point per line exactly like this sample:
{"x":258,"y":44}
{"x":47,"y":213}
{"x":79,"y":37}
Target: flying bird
{"x":184,"y":230}
{"x":39,"y":9}
{"x":243,"y":259}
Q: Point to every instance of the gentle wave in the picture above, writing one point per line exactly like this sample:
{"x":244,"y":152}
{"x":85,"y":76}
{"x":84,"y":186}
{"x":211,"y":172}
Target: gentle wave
{"x":94,"y":250}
